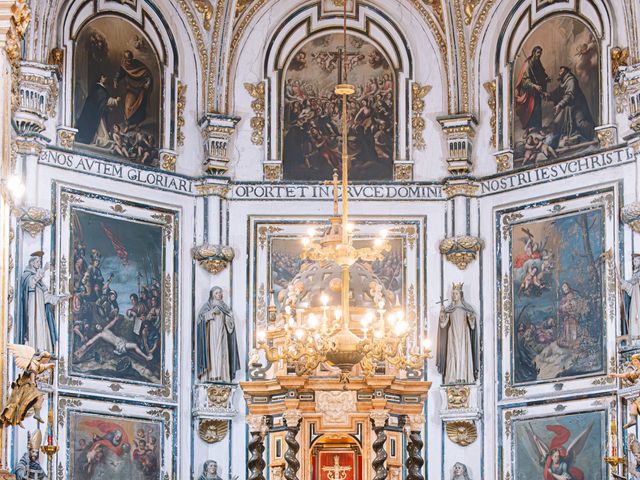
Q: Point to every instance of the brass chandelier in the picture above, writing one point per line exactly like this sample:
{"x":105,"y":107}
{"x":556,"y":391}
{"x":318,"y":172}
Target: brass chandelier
{"x":318,"y":325}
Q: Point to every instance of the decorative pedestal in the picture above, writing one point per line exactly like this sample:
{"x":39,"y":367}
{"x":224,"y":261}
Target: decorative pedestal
{"x":461,"y":250}
{"x":217,"y":130}
{"x":212,"y":410}
{"x":459,"y":130}
{"x":213,"y":258}
{"x":33,"y":220}
{"x":38,"y":97}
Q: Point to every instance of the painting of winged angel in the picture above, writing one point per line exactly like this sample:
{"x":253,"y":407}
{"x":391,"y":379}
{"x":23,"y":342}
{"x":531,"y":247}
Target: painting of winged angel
{"x":559,"y":448}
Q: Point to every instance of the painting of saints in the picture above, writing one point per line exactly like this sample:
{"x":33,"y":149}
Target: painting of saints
{"x":557,"y":276}
{"x":112,"y":447}
{"x":556,"y":91}
{"x":285,"y":264}
{"x":117,"y":91}
{"x":116,"y":316}
{"x":312,"y":113}
{"x":559,"y":448}
{"x":457,"y":355}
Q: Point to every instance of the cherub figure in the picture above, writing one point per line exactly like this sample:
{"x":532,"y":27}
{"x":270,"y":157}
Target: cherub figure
{"x":630,"y":377}
{"x":25,"y":398}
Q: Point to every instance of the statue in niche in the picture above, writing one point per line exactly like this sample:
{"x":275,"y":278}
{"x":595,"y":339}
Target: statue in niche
{"x":631,"y":289}
{"x":29,"y":467}
{"x":25,"y":398}
{"x":35,"y":320}
{"x":218,"y":358}
{"x":209,"y":471}
{"x":460,"y":472}
{"x":457,"y":355}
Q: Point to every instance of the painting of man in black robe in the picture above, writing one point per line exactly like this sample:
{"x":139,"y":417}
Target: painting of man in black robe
{"x":117,"y":91}
{"x":312,"y":113}
{"x":556,"y":91}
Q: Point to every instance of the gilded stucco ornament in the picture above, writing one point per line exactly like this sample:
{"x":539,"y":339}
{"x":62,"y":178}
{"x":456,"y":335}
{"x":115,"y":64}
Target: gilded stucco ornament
{"x":33,"y":220}
{"x":181,"y":102}
{"x":490,"y":88}
{"x":205,"y":9}
{"x":461,"y":250}
{"x":630,"y":214}
{"x":66,"y":137}
{"x":418,"y":93}
{"x":213,"y":258}
{"x":256,"y":90}
{"x":607,"y":136}
{"x":458,"y":397}
{"x":504,"y":161}
{"x":168,"y":160}
{"x":462,"y":432}
{"x":403,"y":172}
{"x":213,"y":430}
{"x":272,"y":171}
{"x":619,"y":58}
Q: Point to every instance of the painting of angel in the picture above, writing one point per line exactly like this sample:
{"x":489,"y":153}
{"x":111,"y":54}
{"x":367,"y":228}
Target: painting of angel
{"x":117,"y":91}
{"x":557,"y":289}
{"x":560,"y":448}
{"x":112,"y":447}
{"x":312,"y":112}
{"x":556,"y":91}
{"x":116,"y":306}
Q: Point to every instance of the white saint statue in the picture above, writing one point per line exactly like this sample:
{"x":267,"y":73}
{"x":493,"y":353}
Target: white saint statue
{"x":457,"y":352}
{"x":217,"y":351}
{"x":631,"y":289}
{"x":36,"y":322}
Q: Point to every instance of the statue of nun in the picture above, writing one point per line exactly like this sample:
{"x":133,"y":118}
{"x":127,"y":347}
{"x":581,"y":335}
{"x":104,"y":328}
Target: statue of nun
{"x":217,"y":346}
{"x":457,"y":355}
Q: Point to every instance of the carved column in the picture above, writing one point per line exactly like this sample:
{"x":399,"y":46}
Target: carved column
{"x":292,"y":419}
{"x":379,"y":420}
{"x":257,"y":430}
{"x":414,"y":463}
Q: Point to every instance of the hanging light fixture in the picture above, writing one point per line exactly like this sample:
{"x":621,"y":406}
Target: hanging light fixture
{"x":318,"y":323}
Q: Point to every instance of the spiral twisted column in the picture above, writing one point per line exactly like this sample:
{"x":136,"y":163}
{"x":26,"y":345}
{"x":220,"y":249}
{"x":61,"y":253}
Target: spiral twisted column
{"x":257,"y":430}
{"x":379,"y":420}
{"x":292,"y":419}
{"x":414,"y":463}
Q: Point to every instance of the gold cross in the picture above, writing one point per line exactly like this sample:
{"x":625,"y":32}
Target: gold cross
{"x":337,"y":471}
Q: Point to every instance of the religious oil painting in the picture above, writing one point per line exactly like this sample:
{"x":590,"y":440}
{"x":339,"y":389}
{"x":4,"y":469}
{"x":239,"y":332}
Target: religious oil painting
{"x":116,"y":91}
{"x":557,"y":288}
{"x":286,"y":264}
{"x":116,"y":309}
{"x":556,"y":91}
{"x":567,"y":446}
{"x":104,"y":446}
{"x":312,"y":112}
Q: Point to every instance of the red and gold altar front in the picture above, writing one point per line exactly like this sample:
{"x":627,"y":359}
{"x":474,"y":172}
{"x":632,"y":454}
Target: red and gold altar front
{"x":330,"y":428}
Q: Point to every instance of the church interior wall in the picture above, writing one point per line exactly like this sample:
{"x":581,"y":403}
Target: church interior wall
{"x":217,"y":182}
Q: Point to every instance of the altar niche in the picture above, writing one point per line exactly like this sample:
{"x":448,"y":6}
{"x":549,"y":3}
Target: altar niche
{"x":336,"y":457}
{"x":117,"y":91}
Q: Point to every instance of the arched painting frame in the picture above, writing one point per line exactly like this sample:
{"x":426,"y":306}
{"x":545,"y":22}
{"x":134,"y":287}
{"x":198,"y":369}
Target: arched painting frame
{"x":312,"y":114}
{"x":117,"y":91}
{"x":556,"y":91}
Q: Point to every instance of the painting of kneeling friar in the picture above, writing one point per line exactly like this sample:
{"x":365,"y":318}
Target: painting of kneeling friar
{"x":116,"y":307}
{"x":112,"y":447}
{"x":557,"y":290}
{"x":117,"y":91}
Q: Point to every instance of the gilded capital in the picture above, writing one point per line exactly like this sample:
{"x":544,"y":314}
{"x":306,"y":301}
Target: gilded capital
{"x":257,"y":423}
{"x":379,"y":417}
{"x":292,"y":418}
